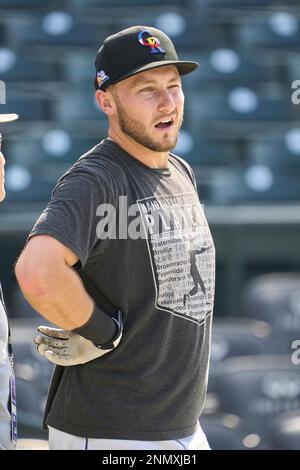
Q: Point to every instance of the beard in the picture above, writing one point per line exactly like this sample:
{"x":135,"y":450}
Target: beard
{"x":135,"y":130}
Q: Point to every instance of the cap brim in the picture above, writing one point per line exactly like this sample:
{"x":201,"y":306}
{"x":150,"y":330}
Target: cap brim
{"x":8,"y":117}
{"x":183,"y":67}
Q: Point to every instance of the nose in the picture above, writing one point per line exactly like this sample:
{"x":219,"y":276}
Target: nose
{"x":166,"y":102}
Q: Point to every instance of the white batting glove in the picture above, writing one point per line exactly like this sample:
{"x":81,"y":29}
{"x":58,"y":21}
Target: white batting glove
{"x":65,"y":348}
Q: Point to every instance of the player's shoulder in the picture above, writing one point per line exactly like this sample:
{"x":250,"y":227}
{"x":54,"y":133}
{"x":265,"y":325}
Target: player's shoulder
{"x":101,"y":156}
{"x":95,"y":170}
{"x":96,"y":163}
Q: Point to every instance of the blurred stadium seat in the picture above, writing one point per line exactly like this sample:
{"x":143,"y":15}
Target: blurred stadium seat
{"x":55,"y":145}
{"x":228,"y":432}
{"x":292,"y":66}
{"x":231,"y":337}
{"x":77,"y":106}
{"x":16,"y":67}
{"x":130,"y":3}
{"x":278,"y":152}
{"x":229,"y":66}
{"x":22,"y":4}
{"x":56,"y":28}
{"x":19,"y":68}
{"x":241,"y":3}
{"x":279,"y":30}
{"x":200,"y":150}
{"x":258,"y":388}
{"x":286,"y":431}
{"x":30,"y":406}
{"x":27,"y":183}
{"x":240,"y":107}
{"x":254,"y":184}
{"x":78,"y":68}
{"x":275,"y":298}
{"x":188,"y":30}
{"x":29,"y":107}
{"x":2,"y":34}
{"x":236,"y":336}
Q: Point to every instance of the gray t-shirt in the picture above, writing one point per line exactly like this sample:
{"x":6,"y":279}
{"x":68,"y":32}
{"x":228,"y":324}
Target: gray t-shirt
{"x":153,"y":385}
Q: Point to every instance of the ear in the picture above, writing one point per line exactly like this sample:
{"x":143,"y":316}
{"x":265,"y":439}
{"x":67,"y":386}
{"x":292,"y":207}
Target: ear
{"x":105,"y":102}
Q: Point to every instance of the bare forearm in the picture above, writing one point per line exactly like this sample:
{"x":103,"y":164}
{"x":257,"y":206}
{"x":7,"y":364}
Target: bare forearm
{"x":64,"y":302}
{"x":51,"y":285}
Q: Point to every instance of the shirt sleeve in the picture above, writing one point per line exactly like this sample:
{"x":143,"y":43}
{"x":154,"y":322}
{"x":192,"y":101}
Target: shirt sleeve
{"x":71,"y":215}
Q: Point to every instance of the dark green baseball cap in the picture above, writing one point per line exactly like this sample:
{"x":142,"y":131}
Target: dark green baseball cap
{"x":134,"y":50}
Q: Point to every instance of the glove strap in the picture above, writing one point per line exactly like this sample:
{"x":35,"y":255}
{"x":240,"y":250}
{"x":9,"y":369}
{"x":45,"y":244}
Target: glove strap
{"x":113,"y":343}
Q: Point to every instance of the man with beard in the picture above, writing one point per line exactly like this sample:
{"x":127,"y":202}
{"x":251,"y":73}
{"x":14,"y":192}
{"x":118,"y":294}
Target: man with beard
{"x":139,"y":356}
{"x":8,"y":425}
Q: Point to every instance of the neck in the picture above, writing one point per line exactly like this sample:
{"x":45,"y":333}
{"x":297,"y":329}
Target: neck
{"x":143,"y":154}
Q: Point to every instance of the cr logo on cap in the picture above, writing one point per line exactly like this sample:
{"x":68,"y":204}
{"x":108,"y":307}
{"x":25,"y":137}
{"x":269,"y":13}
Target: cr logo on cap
{"x":150,"y":41}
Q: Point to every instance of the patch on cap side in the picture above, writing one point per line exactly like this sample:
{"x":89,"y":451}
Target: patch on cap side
{"x":101,"y":77}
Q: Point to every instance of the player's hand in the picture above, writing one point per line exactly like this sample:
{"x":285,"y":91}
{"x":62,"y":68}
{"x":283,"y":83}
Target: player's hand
{"x":66,"y":348}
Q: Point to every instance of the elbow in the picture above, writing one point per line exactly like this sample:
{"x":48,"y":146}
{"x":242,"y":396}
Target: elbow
{"x":31,"y":278}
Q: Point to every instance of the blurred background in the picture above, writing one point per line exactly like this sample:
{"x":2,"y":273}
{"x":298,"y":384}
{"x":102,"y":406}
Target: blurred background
{"x":241,"y":134}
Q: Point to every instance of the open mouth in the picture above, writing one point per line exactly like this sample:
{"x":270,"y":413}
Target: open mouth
{"x":164,"y":124}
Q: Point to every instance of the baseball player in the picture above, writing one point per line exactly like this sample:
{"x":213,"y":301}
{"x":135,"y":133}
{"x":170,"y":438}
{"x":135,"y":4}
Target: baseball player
{"x":8,"y":426}
{"x":108,"y":262}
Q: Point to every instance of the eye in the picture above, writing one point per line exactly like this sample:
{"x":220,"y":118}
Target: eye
{"x":147,"y":89}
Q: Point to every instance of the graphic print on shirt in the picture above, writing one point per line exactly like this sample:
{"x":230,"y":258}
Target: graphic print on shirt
{"x":182,"y":254}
